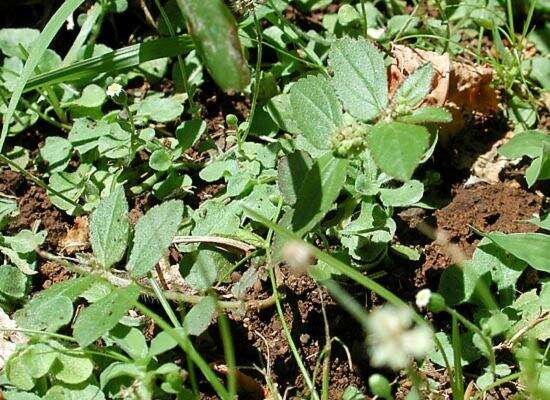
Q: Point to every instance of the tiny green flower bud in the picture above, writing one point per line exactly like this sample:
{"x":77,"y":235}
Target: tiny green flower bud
{"x":231,"y":120}
{"x":117,"y":94}
{"x":349,"y":140}
{"x":380,"y":386}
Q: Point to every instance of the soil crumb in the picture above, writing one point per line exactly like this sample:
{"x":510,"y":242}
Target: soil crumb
{"x":500,"y":207}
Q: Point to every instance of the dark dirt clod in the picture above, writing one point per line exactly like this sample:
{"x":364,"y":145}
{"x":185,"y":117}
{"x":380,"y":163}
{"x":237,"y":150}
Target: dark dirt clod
{"x":501,"y":207}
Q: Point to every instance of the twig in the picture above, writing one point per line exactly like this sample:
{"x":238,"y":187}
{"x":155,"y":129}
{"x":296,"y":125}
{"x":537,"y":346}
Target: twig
{"x":172,"y":295}
{"x":508,"y":344}
{"x":221,"y":241}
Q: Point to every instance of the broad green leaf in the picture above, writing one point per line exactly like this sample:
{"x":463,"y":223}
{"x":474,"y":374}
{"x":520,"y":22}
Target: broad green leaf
{"x":57,"y":153}
{"x":154,"y":233}
{"x":159,"y":109}
{"x":89,"y":392}
{"x":40,"y":45}
{"x":13,"y":283}
{"x":162,"y":343}
{"x":65,"y":186}
{"x":92,"y":96}
{"x":468,"y":354}
{"x":17,"y":260}
{"x":52,"y":308}
{"x":291,"y":171}
{"x":458,"y":283}
{"x":415,"y":87}
{"x":38,"y":359}
{"x":189,"y":132}
{"x":540,"y":167}
{"x":160,"y":160}
{"x":214,"y":31}
{"x":18,"y":375}
{"x":320,"y":188}
{"x":527,"y":143}
{"x":131,"y":340}
{"x":102,"y":316}
{"x":505,"y":268}
{"x":203,"y":267}
{"x":119,"y":369}
{"x":85,"y":134}
{"x":398,"y":148}
{"x":532,"y":248}
{"x":199,"y":318}
{"x":409,"y":193}
{"x":529,"y":306}
{"x":316,"y":110}
{"x":8,"y":209}
{"x":280,"y":110}
{"x":73,"y":368}
{"x":110,"y":228}
{"x":360,"y":78}
{"x":12,"y":39}
{"x":427,"y":115}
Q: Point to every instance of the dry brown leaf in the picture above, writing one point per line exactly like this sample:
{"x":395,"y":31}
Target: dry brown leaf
{"x":461,"y":87}
{"x":78,"y":237}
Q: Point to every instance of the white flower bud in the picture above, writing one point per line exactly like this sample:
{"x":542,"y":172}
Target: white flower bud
{"x":423,"y":298}
{"x":298,"y":256}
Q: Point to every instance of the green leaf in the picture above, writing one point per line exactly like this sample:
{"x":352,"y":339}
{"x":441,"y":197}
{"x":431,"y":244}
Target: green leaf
{"x":18,"y":375}
{"x":12,"y":39}
{"x":40,"y":45}
{"x":316,"y":110}
{"x":70,"y":185}
{"x":398,"y":148}
{"x":102,"y":316}
{"x":540,"y":167}
{"x":131,"y":340}
{"x":527,"y":143}
{"x":360,"y":77}
{"x":214,"y":31}
{"x":110,"y":228}
{"x":409,"y":193}
{"x":160,"y":160}
{"x":189,"y":132}
{"x":320,"y":188}
{"x":57,"y":153}
{"x":13,"y":283}
{"x":89,"y":392}
{"x":85,"y":134}
{"x":415,"y":87}
{"x":291,"y":172}
{"x":199,"y":318}
{"x":73,"y":368}
{"x":154,"y":233}
{"x":38,"y":359}
{"x":93,"y":96}
{"x":52,"y":308}
{"x":532,"y":248}
{"x":425,"y":115}
{"x":204,"y":266}
{"x":21,"y":263}
{"x":279,"y":109}
{"x":159,"y":109}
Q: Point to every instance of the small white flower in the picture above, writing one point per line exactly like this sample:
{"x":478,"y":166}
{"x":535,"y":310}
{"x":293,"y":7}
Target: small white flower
{"x":114,"y":90}
{"x":297,"y":256}
{"x":393,"y":340}
{"x":423,"y":298}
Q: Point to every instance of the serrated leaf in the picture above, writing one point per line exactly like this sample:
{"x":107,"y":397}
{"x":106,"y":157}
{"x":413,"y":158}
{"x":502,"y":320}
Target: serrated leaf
{"x":316,"y":110}
{"x":398,"y":148}
{"x":415,"y":87}
{"x":427,"y":115}
{"x":102,"y":316}
{"x":109,"y":228}
{"x":532,"y":248}
{"x":360,"y":78}
{"x":320,"y":188}
{"x":154,"y":233}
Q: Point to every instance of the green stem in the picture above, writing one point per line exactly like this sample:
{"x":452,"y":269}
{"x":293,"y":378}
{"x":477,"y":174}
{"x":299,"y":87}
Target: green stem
{"x":472,"y":327}
{"x":364,"y":15}
{"x":229,"y":353}
{"x":187,"y":346}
